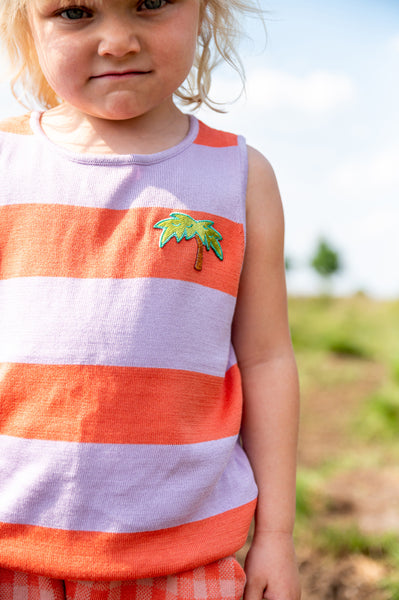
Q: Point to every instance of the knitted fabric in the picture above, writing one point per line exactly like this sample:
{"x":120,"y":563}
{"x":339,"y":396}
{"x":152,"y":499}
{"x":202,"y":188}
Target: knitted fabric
{"x":222,"y":580}
{"x":119,"y":387}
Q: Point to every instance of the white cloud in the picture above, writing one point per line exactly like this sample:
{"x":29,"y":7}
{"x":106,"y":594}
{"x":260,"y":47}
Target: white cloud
{"x":371,"y":176}
{"x":268,"y":89}
{"x":372,"y":248}
{"x":371,"y":236}
{"x":318,"y":91}
{"x":365,"y":189}
{"x":394,"y":43}
{"x":379,"y":226}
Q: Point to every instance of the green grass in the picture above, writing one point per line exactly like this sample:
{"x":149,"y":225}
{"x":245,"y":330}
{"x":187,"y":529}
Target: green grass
{"x":308,"y":496}
{"x":395,"y":370}
{"x":379,"y":418}
{"x":391,"y":585}
{"x":340,"y":541}
{"x":362,"y":325}
{"x":347,"y":347}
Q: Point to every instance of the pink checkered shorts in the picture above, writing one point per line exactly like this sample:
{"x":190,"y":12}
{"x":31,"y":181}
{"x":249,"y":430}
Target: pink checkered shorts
{"x":221,"y":580}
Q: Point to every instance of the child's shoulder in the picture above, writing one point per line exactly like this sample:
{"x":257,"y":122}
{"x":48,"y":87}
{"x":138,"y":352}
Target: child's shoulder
{"x":19,"y":125}
{"x":263,"y":195}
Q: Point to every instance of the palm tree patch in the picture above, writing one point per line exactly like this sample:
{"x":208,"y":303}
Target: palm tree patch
{"x":180,"y":225}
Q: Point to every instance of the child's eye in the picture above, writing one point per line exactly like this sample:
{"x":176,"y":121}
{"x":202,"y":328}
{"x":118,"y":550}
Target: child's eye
{"x":151,"y":4}
{"x":74,"y":14}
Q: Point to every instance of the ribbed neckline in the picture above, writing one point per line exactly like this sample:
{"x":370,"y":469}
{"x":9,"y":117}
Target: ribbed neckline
{"x":115,"y":159}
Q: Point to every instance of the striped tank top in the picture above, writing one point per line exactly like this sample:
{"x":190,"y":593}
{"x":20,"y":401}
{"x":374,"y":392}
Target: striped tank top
{"x":120,"y":393}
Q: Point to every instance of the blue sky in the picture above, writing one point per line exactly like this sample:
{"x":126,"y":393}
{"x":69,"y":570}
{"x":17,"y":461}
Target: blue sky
{"x":322,"y":104}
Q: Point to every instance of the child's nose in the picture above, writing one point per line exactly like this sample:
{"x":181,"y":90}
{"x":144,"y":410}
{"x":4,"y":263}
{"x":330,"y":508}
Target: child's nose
{"x":118,"y":39}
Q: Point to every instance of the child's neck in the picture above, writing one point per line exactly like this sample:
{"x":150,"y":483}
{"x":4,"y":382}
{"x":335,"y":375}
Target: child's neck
{"x":146,"y":134}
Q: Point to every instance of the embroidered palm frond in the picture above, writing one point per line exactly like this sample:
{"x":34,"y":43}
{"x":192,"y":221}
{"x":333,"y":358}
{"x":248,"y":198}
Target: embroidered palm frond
{"x":211,"y":239}
{"x":180,"y":225}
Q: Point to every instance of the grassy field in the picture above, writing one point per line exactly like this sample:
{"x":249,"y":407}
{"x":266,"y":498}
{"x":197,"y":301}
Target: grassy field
{"x":348,"y":482}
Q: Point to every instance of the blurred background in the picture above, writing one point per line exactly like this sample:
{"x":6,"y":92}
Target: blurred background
{"x":322,"y":104}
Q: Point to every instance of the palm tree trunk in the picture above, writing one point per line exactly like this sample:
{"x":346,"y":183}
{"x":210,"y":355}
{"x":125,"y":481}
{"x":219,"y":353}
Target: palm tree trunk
{"x":200,"y":253}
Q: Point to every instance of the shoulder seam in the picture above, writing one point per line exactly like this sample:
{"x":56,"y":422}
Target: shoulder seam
{"x":243,"y":162}
{"x":208,"y":136}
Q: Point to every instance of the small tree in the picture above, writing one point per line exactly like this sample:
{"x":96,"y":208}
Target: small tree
{"x":326,"y":261}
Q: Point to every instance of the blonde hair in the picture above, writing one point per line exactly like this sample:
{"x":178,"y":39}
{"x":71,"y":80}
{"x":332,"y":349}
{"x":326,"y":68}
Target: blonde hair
{"x":217,"y":41}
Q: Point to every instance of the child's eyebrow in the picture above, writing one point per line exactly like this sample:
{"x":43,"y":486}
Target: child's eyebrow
{"x":66,"y":3}
{"x":49,"y":4}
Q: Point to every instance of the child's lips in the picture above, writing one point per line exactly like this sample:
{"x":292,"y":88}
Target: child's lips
{"x":120,"y":74}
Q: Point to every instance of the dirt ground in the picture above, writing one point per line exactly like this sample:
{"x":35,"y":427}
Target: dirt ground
{"x":352,"y":578}
{"x":367,"y":498}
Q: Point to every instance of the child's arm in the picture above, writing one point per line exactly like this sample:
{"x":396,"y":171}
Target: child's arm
{"x":270,"y":420}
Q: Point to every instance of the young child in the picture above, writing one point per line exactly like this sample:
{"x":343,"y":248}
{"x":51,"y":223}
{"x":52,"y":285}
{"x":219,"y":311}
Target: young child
{"x":134,"y":328}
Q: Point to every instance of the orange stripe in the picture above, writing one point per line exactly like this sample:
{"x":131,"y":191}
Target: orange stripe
{"x":76,"y":403}
{"x":94,"y":556}
{"x":69,"y":241}
{"x":214,"y":138}
{"x":19,"y":125}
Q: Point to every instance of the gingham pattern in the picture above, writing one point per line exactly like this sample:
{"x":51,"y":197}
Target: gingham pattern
{"x":221,"y":580}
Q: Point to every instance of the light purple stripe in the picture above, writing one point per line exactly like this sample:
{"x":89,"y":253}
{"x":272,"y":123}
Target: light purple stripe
{"x":232,"y":358}
{"x":177,"y":183}
{"x":148,"y":322}
{"x":120,"y":488}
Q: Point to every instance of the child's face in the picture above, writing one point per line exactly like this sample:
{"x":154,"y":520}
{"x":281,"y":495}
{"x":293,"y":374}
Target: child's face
{"x":115,"y":59}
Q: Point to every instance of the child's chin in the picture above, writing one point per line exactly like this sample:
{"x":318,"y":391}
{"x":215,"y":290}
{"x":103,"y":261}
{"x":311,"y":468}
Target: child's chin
{"x":114,"y":115}
{"x":121,"y":113}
